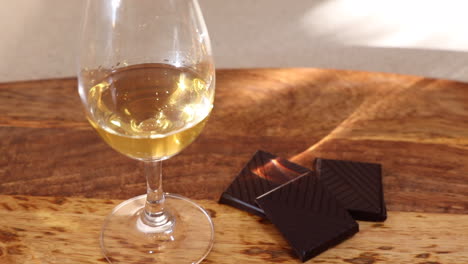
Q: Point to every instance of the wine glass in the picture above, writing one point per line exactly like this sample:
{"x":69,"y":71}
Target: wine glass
{"x":146,"y":79}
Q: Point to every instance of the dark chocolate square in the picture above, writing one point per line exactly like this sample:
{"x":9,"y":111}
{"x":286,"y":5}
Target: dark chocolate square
{"x":262,"y":173}
{"x":356,"y":185}
{"x":308,"y":216}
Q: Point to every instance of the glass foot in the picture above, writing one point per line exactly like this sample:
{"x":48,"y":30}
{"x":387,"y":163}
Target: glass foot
{"x":123,"y":240}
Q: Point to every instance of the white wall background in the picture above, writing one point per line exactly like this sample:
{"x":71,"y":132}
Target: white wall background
{"x":430,"y":38}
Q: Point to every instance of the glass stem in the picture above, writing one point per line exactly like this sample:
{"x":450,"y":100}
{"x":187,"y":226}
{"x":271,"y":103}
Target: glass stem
{"x":155,"y":214}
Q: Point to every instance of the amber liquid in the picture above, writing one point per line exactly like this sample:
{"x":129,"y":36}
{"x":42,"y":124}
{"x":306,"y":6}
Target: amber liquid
{"x":150,"y":111}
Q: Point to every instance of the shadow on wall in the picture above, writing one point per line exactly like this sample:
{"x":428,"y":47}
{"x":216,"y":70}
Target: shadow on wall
{"x":40,"y":38}
{"x":394,"y":36}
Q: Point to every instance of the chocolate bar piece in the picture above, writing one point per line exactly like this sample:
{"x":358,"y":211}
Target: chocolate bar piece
{"x":262,"y":173}
{"x":308,"y":216}
{"x":356,"y":185}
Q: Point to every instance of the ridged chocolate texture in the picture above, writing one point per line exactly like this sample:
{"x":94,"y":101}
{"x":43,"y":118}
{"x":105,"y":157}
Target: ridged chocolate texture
{"x":356,"y":185}
{"x":262,"y":173}
{"x":307,"y":215}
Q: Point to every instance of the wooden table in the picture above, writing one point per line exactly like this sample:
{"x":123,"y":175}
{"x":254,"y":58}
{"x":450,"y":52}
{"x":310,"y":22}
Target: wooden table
{"x":58,"y":179}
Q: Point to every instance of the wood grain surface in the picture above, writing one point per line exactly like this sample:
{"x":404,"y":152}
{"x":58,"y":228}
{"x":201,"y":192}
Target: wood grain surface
{"x":416,"y":127}
{"x":66,"y":230}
